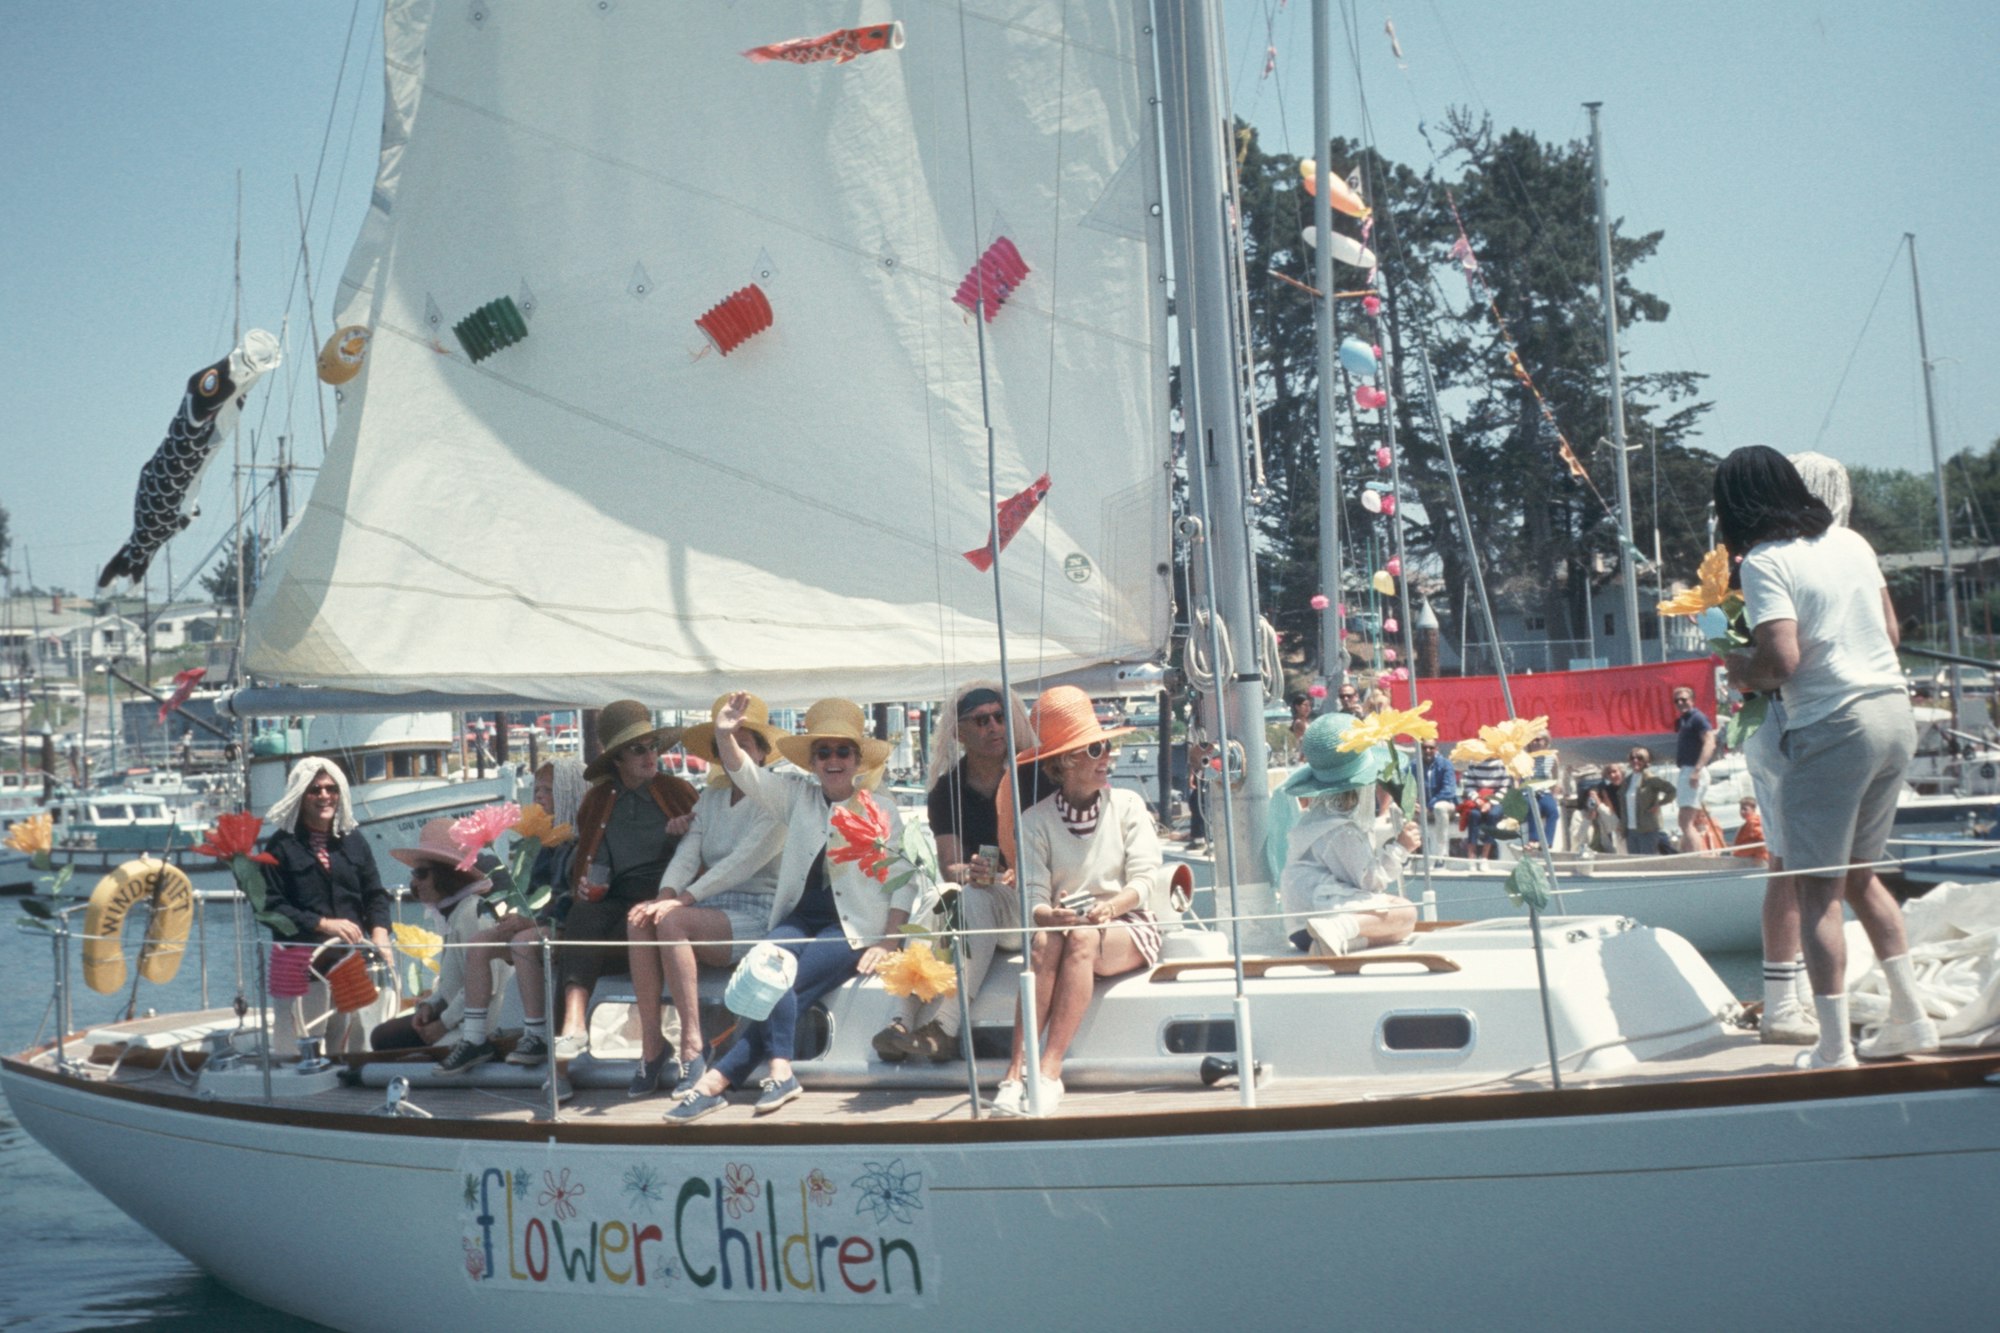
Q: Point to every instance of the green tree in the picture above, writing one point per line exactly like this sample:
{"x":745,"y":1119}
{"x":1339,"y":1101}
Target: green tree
{"x":6,"y":545}
{"x":220,"y":582}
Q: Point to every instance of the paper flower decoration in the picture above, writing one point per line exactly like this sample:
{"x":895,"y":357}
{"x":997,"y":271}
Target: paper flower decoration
{"x":1711,"y":591}
{"x":1368,"y":398}
{"x":1383,"y":457}
{"x":1317,"y":691}
{"x":1388,"y":654}
{"x":999,"y":271}
{"x":1390,"y":626}
{"x":736,"y":318}
{"x":478,"y":830}
{"x":1372,"y":304}
{"x":915,"y":970}
{"x":1382,"y":583}
{"x":1389,"y":503}
{"x":34,"y":835}
{"x":865,"y":829}
{"x":1319,"y":602}
{"x":419,"y":944}
{"x":1395,"y":566}
{"x":538,"y":824}
{"x":1506,"y":741}
{"x":233,"y":836}
{"x":1381,"y":728}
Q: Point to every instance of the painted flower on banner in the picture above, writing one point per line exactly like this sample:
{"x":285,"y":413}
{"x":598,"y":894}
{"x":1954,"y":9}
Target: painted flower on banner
{"x":475,"y":1258}
{"x":1711,"y":589}
{"x":560,"y":1193}
{"x":739,"y":1189}
{"x":644,"y":1186}
{"x":1506,"y":741}
{"x":915,"y":970}
{"x":471,"y":1190}
{"x":887,"y":1191}
{"x":522,"y":1181}
{"x":1381,"y":728}
{"x":477,"y":831}
{"x":820,"y":1189}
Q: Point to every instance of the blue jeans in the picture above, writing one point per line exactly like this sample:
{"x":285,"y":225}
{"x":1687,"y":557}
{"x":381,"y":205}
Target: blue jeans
{"x":825,"y":961}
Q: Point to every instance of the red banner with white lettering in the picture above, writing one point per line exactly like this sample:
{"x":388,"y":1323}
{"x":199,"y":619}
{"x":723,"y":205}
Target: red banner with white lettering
{"x":1608,"y":701}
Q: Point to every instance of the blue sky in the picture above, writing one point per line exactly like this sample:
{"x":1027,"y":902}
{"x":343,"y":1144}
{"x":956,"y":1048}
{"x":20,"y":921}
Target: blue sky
{"x":1784,"y":149}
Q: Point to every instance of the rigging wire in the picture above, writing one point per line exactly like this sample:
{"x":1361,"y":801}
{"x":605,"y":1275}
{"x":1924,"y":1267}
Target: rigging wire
{"x":1854,"y":352}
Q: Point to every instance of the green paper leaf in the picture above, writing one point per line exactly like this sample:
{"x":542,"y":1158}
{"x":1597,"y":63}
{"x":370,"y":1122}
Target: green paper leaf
{"x":1528,"y":884}
{"x":1741,"y":725}
{"x":29,"y":923}
{"x":912,"y":928}
{"x":35,"y":907}
{"x":1514,"y":805}
{"x":281,"y":924}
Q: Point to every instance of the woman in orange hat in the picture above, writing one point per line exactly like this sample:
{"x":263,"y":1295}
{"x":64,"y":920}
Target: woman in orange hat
{"x":1090,"y":858}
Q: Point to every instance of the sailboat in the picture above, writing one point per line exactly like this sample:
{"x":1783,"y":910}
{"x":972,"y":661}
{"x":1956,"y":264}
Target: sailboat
{"x":723,"y":364}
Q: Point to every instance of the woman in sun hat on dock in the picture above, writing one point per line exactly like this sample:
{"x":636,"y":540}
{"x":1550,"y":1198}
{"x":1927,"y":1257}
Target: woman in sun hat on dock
{"x":829,"y":914}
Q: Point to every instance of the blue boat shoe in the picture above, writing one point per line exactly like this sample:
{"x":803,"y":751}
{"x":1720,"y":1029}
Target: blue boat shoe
{"x":691,"y":1072}
{"x":776,"y":1094}
{"x":693,"y":1107}
{"x":647,"y":1080}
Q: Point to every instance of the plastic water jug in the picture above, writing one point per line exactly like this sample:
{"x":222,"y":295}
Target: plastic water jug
{"x":765,"y":973}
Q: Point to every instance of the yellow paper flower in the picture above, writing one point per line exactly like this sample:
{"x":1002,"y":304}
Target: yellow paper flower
{"x":535,"y":823}
{"x":32,"y":835}
{"x":418,"y":943}
{"x":1506,"y":741}
{"x":1381,"y":728}
{"x":915,"y":970}
{"x":1711,"y":591}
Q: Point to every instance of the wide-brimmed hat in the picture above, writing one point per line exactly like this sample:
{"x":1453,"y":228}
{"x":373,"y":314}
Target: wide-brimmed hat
{"x":618,"y":725}
{"x":1327,"y":768}
{"x":1064,"y":719}
{"x":435,"y":845}
{"x":834,"y":720}
{"x":699,"y":739}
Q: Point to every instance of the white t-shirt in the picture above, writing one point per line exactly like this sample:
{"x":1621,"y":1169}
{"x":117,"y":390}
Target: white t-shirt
{"x":1830,"y":585}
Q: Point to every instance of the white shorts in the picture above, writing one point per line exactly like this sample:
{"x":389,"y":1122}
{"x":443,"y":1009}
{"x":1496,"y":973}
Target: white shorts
{"x":1761,"y":757}
{"x":1690,"y":785}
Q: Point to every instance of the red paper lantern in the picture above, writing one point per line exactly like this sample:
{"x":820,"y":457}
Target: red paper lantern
{"x":736,"y":318}
{"x":999,"y":271}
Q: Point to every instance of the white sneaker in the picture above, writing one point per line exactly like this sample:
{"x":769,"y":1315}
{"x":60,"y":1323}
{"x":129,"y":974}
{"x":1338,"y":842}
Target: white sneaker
{"x":1811,"y":1060}
{"x":1052,"y":1095}
{"x":1792,"y":1027}
{"x":1011,"y":1098}
{"x":1894,"y":1039}
{"x":570,"y":1045}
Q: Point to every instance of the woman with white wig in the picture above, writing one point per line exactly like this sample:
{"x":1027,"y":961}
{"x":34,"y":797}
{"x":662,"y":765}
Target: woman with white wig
{"x":325,"y":881}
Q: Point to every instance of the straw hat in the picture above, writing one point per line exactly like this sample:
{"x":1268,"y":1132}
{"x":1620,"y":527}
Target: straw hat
{"x":434,"y":846}
{"x":1327,"y":769}
{"x":699,"y":739}
{"x":618,"y":725}
{"x":1065,"y":720}
{"x":834,"y":720}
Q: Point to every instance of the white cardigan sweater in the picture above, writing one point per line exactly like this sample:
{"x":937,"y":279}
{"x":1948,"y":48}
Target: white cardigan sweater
{"x":796,"y":800}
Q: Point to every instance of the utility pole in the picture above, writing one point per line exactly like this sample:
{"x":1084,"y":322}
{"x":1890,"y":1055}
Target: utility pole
{"x":1628,"y":556}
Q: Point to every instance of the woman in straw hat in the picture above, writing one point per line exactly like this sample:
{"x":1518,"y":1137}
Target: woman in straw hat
{"x":626,"y":832}
{"x":835,"y":919}
{"x":1090,"y":858}
{"x":1343,"y":865}
{"x":716,"y":893}
{"x":455,"y":902}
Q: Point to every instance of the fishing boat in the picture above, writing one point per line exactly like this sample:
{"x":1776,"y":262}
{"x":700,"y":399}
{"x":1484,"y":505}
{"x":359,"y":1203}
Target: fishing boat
{"x":777,"y":491}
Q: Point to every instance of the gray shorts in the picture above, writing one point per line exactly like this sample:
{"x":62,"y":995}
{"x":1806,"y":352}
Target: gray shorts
{"x":1838,"y":781}
{"x":749,"y":916}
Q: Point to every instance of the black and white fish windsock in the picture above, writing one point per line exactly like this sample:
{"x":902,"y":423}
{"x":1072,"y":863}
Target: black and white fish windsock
{"x":169,"y":482}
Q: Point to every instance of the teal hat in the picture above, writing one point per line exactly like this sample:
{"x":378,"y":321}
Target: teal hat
{"x":1327,"y":769}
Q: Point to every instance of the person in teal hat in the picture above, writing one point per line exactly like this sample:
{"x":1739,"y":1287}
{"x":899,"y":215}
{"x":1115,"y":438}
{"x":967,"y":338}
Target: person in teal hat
{"x":1340,"y":887}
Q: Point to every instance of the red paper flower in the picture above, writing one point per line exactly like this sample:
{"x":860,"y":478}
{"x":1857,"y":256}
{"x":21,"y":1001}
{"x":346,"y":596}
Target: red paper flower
{"x":866,"y":832}
{"x":236,"y":835}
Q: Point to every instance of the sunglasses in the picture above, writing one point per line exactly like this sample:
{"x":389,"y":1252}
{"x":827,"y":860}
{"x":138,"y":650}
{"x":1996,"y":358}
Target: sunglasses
{"x":637,"y":748}
{"x":419,"y":872}
{"x":323,"y":789}
{"x":992,"y":719}
{"x":1096,"y":749}
{"x":840,"y":750}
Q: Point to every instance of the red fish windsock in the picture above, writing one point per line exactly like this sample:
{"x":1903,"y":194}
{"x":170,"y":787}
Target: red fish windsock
{"x":184,"y":683}
{"x":841,"y":46}
{"x":1014,"y":511}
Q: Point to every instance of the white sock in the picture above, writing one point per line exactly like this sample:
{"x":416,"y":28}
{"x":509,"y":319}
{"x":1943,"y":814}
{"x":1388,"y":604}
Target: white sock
{"x":1904,"y":1004}
{"x":1336,"y":931}
{"x":1835,"y":1045}
{"x":1780,"y":987}
{"x":536,"y":1027}
{"x":473,"y":1026}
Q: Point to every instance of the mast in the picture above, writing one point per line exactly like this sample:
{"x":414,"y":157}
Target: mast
{"x":1627,"y":552}
{"x":1332,"y":646}
{"x":1937,"y":471}
{"x":1198,"y":138}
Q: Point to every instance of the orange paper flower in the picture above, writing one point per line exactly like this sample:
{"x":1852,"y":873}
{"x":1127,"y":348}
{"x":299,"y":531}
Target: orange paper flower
{"x":1711,"y":591}
{"x":538,"y":824}
{"x":1508,"y":742}
{"x":33,"y":835}
{"x":915,"y":970}
{"x":236,"y":835}
{"x":1381,"y":728}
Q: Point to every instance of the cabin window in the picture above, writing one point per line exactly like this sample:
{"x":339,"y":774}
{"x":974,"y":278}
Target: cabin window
{"x":402,"y":765}
{"x":1610,"y":622}
{"x":373,"y":767}
{"x":1534,"y":624}
{"x":1426,"y":1030}
{"x":430,"y":764}
{"x":1198,"y":1036}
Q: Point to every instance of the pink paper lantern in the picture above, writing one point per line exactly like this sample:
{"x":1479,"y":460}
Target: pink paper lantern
{"x":1341,"y":610}
{"x":1319,"y":601}
{"x":1317,"y":691}
{"x":1388,"y":654}
{"x":1382,"y":456}
{"x":1372,"y":304}
{"x":1395,"y":566}
{"x":1389,"y":626}
{"x":1388,"y":504}
{"x":1400,"y":673}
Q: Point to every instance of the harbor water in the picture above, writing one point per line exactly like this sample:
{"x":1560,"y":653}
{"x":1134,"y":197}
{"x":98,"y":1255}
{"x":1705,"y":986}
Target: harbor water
{"x":73,"y":1262}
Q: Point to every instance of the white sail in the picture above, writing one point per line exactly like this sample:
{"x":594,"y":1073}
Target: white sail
{"x":597,"y":511}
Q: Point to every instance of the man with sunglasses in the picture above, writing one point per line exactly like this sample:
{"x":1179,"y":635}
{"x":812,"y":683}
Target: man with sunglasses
{"x":1641,"y":800}
{"x":965,"y":821}
{"x":1694,"y":746}
{"x":1348,"y":699}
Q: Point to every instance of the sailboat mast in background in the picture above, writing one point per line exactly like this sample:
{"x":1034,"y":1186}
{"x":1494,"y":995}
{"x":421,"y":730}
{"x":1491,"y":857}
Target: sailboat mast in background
{"x":1628,"y":554}
{"x":1937,"y":470}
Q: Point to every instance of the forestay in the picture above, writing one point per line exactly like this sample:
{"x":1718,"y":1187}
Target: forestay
{"x":595,"y":510}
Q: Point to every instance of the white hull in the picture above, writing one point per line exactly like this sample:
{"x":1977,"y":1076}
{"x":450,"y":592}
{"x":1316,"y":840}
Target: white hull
{"x":1714,"y":902}
{"x":1729,"y":1215}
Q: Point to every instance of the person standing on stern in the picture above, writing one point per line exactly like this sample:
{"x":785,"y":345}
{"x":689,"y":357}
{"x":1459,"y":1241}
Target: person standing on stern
{"x":1694,"y":746}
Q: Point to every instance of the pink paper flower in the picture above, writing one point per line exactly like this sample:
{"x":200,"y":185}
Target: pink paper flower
{"x":1319,"y":602}
{"x":1382,"y":456}
{"x":1372,"y":304}
{"x":1317,"y":691}
{"x":1395,"y":566}
{"x":476,"y":832}
{"x":1389,"y":626}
